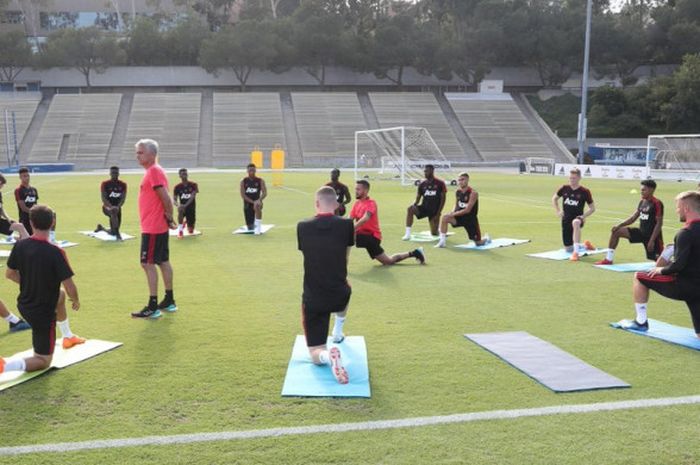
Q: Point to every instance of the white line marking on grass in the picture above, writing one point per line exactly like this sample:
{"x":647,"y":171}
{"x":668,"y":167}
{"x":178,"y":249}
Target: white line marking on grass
{"x":346,"y":427}
{"x":294,"y":190}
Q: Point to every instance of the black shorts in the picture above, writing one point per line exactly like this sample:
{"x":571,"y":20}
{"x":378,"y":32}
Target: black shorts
{"x":249,"y":213}
{"x":567,"y":230}
{"x":24,"y":219}
{"x":676,"y":289}
{"x":423,"y":211}
{"x":43,"y":330}
{"x":638,"y":237}
{"x":154,"y":248}
{"x":371,"y":243}
{"x":5,"y":227}
{"x":316,"y":319}
{"x":190,"y":216}
{"x":471,"y":224}
{"x":340,"y":211}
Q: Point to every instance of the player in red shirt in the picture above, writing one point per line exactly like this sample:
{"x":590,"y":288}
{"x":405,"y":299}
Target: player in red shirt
{"x":367,"y":233}
{"x":433,"y":191}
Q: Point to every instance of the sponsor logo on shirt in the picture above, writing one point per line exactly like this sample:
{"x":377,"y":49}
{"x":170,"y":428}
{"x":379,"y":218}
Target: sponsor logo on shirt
{"x":644,"y":216}
{"x":185,"y":196}
{"x":430,"y":193}
{"x":570,"y":201}
{"x":115,"y":195}
{"x":251,"y":190}
{"x":29,"y":199}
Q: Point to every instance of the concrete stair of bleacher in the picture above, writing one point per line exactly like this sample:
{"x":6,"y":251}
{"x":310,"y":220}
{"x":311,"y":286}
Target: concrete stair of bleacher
{"x":499,"y":130}
{"x":418,"y":110}
{"x":23,"y":108}
{"x":326,"y":123}
{"x":243,"y":121}
{"x":172,"y":119}
{"x":77,"y":129}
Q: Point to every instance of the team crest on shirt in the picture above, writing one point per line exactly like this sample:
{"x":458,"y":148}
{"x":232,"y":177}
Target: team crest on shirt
{"x":462,"y":204}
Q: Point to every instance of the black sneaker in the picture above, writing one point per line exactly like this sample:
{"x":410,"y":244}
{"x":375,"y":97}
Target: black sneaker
{"x":167,"y":305}
{"x":21,"y":325}
{"x":419,"y":255}
{"x":147,"y":313}
{"x":99,"y":228}
{"x":118,"y":236}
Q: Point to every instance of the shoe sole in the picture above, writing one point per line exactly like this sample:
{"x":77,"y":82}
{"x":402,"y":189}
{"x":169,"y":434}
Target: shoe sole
{"x":339,"y":372}
{"x":170,"y":308}
{"x":154,"y":316}
{"x":339,"y":340}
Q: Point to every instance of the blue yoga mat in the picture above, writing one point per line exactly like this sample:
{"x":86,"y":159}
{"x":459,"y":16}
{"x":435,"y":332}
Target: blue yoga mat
{"x":628,"y":267}
{"x":545,"y":363}
{"x":667,"y":332}
{"x":494,"y":244}
{"x":304,"y":379}
{"x":562,"y":254}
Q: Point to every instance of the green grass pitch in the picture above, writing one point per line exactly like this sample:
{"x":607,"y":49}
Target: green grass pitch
{"x":218,"y":364}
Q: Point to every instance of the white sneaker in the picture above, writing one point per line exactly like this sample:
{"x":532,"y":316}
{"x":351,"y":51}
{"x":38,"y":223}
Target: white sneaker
{"x":338,"y":338}
{"x":440,"y":245}
{"x":257,"y":232}
{"x":487,"y":239}
{"x":406,"y":237}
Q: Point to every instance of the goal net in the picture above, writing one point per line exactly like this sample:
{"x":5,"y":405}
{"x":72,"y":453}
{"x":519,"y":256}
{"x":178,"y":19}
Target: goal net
{"x":674,"y":156}
{"x":398,"y":153}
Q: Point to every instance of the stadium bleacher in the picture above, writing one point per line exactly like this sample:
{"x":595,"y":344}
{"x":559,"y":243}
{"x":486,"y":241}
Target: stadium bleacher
{"x":243,"y":121}
{"x":23,"y":107}
{"x":77,"y":129}
{"x":326,"y":123}
{"x":499,"y":129}
{"x":419,"y":110}
{"x":172,"y":119}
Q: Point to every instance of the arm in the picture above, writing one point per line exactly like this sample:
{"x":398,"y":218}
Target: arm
{"x":105,"y":199}
{"x":681,"y":255}
{"x":123,"y":198}
{"x":263,"y":190}
{"x":72,"y":292}
{"x":443,"y":197}
{"x":555,"y":203}
{"x":23,"y":206}
{"x":589,"y":212}
{"x":627,"y":222}
{"x":243,"y":196}
{"x":12,"y":275}
{"x":167,"y":204}
{"x":363,"y":220}
{"x":472,"y":201}
{"x":347,"y":197}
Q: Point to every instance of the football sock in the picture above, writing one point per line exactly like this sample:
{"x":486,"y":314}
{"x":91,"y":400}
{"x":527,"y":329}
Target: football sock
{"x":15,"y":365}
{"x":52,"y":236}
{"x":641,"y":313}
{"x":169,"y":295}
{"x":179,"y":228}
{"x":408,"y":230}
{"x":65,"y":328}
{"x":338,"y":325}
{"x":323,"y":357}
{"x":577,"y":247}
{"x":11,"y":318}
{"x":610,"y":255}
{"x":153,"y":302}
{"x":443,"y":236}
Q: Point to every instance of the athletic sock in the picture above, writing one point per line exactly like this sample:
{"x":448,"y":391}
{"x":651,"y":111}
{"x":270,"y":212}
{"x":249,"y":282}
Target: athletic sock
{"x":324,"y":357}
{"x":338,"y":325}
{"x":11,"y":318}
{"x":65,"y":328}
{"x":443,"y":236}
{"x":153,"y":302}
{"x":641,"y":310}
{"x":408,"y":230}
{"x":169,"y":295}
{"x":577,"y":247}
{"x":52,"y":236}
{"x":610,"y":255}
{"x":179,"y":228}
{"x":15,"y":365}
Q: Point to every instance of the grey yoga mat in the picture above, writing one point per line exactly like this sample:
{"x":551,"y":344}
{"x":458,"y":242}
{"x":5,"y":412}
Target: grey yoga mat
{"x":545,"y":363}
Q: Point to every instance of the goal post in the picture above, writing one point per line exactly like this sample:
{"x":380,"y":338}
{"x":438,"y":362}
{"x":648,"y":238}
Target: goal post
{"x":674,"y":156}
{"x":396,"y":153}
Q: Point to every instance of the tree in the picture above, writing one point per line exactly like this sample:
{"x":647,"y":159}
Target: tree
{"x":15,"y":54}
{"x":146,"y":45}
{"x":617,"y":47}
{"x":217,"y":13}
{"x":241,"y":48}
{"x":184,"y":41}
{"x":86,"y":50}
{"x":393,"y":48}
{"x":682,"y":114}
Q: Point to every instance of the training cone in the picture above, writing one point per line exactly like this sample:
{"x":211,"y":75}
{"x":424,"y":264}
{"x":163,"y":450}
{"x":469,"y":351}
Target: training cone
{"x":634,"y":191}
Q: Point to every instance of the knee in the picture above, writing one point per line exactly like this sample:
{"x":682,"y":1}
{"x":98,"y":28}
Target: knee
{"x":43,"y":362}
{"x":576,"y":223}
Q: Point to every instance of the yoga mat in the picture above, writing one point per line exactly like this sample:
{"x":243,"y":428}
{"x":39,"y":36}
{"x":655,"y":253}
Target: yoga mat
{"x":263,"y":229}
{"x":494,"y":244}
{"x":666,"y":332}
{"x":562,"y":254}
{"x":425,"y":236}
{"x":304,"y":379}
{"x":185,"y":232}
{"x":4,"y":253}
{"x":105,"y":236}
{"x":628,"y":267}
{"x":65,"y":244}
{"x":545,"y":363}
{"x":8,"y":240}
{"x":61,"y":359}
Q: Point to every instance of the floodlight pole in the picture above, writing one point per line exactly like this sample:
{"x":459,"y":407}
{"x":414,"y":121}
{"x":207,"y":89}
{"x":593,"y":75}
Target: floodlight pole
{"x":582,"y":120}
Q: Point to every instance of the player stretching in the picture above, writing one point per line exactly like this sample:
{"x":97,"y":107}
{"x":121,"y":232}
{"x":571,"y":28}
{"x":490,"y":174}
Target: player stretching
{"x":325,"y":242}
{"x":367,"y":233}
{"x":433,"y":191}
{"x":253,"y":191}
{"x":113,"y":192}
{"x":342,"y":192}
{"x":680,"y":279}
{"x":650,"y":212}
{"x":8,"y":225}
{"x":26,"y":197}
{"x":464,"y":214}
{"x":572,"y":216}
{"x":184,"y":196}
{"x":40,"y":269}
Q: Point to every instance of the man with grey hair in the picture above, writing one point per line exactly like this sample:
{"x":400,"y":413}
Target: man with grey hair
{"x":680,"y":278}
{"x":156,"y":215}
{"x":325,"y":241}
